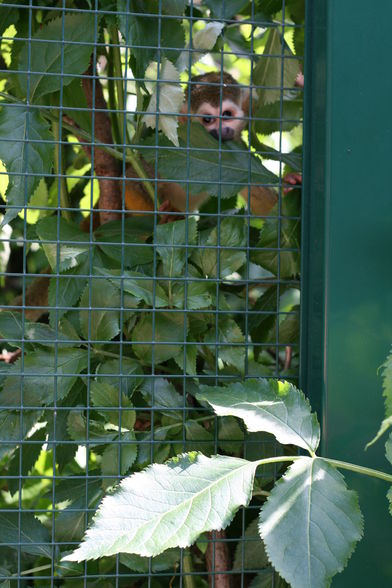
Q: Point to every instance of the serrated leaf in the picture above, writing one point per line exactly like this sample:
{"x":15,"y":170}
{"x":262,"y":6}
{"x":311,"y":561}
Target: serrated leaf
{"x":227,"y":331}
{"x":168,"y":506}
{"x":100,"y":324}
{"x":42,"y":61}
{"x":93,"y":432}
{"x":62,"y":255}
{"x":168,"y":240}
{"x":385,"y":425}
{"x":310,"y":523}
{"x":165,"y":97}
{"x":124,"y":374}
{"x":22,"y":531}
{"x":198,"y":294}
{"x":24,"y":459}
{"x":161,"y":394}
{"x":160,"y":337}
{"x":13,"y":327}
{"x":267,"y":405}
{"x":221,"y":170}
{"x":43,"y":376}
{"x":27,"y":157}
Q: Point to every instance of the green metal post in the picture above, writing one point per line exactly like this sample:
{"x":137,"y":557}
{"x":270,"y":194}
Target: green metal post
{"x":347,"y":233}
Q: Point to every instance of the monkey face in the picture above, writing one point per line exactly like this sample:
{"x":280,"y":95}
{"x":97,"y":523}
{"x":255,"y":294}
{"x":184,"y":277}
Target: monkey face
{"x":226,"y":121}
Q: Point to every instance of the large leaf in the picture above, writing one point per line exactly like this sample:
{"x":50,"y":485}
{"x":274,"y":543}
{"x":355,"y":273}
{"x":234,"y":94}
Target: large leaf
{"x":27,"y":156}
{"x":66,"y":290}
{"x":14,"y":426}
{"x":138,"y":285}
{"x":267,"y":405}
{"x":150,"y":37}
{"x":62,"y":46}
{"x":204,"y":165}
{"x":22,"y":531}
{"x":227,"y":9}
{"x":168,"y":506}
{"x":41,"y":376}
{"x":250,"y":552}
{"x":310,"y":524}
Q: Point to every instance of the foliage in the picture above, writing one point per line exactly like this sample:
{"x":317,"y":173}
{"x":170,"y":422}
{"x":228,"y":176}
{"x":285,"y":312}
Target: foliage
{"x":122,"y":323}
{"x":310,"y":522}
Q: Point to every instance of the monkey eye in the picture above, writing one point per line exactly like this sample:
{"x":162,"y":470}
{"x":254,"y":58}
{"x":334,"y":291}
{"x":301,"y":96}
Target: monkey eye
{"x":227,"y":113}
{"x":207,"y":119}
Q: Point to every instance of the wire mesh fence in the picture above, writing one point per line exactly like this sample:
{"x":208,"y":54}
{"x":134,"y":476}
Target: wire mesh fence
{"x":150,"y":179}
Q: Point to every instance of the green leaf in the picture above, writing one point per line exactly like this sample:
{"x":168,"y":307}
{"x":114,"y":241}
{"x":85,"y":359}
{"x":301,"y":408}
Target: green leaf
{"x":310,"y":523}
{"x":227,"y":332}
{"x":101,"y":324}
{"x":228,"y":259}
{"x":62,"y":256}
{"x":125,"y":373}
{"x":268,"y":580}
{"x":14,"y":426}
{"x":142,"y":287}
{"x":387,"y":384}
{"x":169,"y":238}
{"x":150,"y":37}
{"x":127,"y":241}
{"x":166,"y":561}
{"x":221,"y":170}
{"x":275,"y":69}
{"x":27,"y":157}
{"x":198,"y":294}
{"x":52,"y":376}
{"x":279,"y":245}
{"x":93,"y":432}
{"x":225,"y":10}
{"x":69,"y":54}
{"x":267,"y":405}
{"x":250,"y":552}
{"x":105,"y":395}
{"x":160,"y":336}
{"x":161,"y":394}
{"x":71,"y":522}
{"x":168,"y":506}
{"x":281,"y":116}
{"x":230,"y":435}
{"x":24,"y":458}
{"x":197,"y":438}
{"x":22,"y":531}
{"x":13,"y":327}
{"x":119,"y":456}
{"x":65,"y":291}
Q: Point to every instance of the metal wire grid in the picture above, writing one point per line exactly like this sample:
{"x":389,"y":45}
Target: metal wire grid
{"x":58,"y":477}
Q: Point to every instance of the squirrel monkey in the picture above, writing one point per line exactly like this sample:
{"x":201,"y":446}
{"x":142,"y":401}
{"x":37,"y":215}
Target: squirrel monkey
{"x":221,"y":105}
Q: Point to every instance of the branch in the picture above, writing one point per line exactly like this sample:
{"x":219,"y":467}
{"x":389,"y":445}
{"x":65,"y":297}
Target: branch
{"x":218,"y":560}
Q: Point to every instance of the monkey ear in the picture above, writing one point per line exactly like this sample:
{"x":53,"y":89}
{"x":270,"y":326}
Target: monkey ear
{"x":184,"y":110}
{"x":245,"y":101}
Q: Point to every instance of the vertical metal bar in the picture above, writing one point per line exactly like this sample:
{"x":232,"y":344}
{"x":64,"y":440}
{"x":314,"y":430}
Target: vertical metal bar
{"x":346,"y":315}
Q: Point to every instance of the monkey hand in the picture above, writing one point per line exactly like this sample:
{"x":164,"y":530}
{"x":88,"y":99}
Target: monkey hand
{"x":294,"y":179}
{"x":166,"y":208}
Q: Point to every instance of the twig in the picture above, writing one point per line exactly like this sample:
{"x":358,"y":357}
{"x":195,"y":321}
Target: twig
{"x":218,"y":560}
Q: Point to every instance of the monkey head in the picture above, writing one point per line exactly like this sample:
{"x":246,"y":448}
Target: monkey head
{"x":218,"y":103}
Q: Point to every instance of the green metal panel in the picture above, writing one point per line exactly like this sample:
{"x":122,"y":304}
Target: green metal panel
{"x":347,"y":303}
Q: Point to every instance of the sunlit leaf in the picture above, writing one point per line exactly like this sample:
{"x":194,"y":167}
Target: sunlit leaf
{"x":312,"y":519}
{"x":267,"y":405}
{"x":168,"y":506}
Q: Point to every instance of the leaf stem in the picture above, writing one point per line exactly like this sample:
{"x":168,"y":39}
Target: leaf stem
{"x":112,"y":96}
{"x":359,"y":469}
{"x":118,"y":77}
{"x":188,"y":571}
{"x":33,"y":570}
{"x":59,"y":171}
